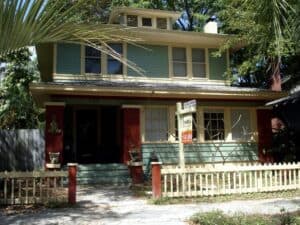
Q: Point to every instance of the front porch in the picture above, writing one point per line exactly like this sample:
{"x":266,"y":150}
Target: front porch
{"x":91,"y":134}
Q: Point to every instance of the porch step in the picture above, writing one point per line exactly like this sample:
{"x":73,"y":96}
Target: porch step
{"x":113,"y":174}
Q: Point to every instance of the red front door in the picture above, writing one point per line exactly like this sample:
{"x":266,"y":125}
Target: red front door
{"x":131,"y":131}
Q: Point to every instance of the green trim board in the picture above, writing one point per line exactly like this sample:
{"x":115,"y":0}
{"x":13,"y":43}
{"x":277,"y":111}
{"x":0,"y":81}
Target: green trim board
{"x":217,"y":65}
{"x":68,"y":59}
{"x":153,"y":59}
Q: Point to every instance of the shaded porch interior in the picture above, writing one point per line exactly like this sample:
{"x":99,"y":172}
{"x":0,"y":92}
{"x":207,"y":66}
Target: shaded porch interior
{"x":92,"y":134}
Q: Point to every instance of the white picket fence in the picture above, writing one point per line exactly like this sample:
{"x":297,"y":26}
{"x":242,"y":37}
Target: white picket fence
{"x":210,"y":180}
{"x":33,"y":187}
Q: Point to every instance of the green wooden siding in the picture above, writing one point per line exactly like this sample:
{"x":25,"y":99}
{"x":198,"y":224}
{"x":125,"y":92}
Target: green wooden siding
{"x":217,"y":66}
{"x":201,"y":153}
{"x":68,"y":59}
{"x":153,"y":60}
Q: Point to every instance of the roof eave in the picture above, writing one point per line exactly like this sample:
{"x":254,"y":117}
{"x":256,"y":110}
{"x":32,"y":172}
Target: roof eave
{"x":37,"y":89}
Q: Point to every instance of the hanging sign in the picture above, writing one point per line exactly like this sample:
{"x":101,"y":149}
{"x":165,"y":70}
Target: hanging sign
{"x":190,"y":105}
{"x":187,"y":129}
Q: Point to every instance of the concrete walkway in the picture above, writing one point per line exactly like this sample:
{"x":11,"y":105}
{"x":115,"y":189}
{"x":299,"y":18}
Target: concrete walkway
{"x":116,"y":206}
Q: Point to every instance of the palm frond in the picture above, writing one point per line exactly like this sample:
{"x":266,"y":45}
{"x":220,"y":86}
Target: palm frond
{"x":24,"y":23}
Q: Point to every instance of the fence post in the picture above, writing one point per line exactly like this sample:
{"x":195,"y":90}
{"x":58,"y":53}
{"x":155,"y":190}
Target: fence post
{"x":72,"y":168}
{"x":156,"y":179}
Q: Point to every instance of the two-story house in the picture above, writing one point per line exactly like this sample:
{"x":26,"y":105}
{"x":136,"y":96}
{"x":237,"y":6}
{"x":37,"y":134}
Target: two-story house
{"x":98,"y":109}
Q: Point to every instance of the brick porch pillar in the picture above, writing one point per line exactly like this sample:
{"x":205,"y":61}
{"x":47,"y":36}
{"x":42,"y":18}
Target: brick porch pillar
{"x":156,"y":179}
{"x":54,"y":129}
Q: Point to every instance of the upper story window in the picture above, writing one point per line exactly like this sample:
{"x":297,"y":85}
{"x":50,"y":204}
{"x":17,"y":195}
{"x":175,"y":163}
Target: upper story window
{"x":198,"y":62}
{"x":161,"y":23}
{"x":214,"y":125}
{"x":114,"y":66}
{"x":132,"y":20}
{"x":196,"y":65}
{"x":146,"y":22}
{"x":179,"y":62}
{"x":92,"y":60}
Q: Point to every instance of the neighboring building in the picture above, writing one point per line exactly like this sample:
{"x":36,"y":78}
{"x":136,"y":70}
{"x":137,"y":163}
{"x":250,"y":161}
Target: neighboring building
{"x":98,"y":109}
{"x":286,"y":126}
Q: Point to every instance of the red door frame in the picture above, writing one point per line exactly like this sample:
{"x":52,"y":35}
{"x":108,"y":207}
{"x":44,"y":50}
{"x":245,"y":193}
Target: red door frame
{"x":131,"y":132}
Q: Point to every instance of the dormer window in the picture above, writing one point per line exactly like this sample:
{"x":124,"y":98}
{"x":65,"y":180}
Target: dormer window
{"x":146,"y":22}
{"x":132,"y":21}
{"x":161,"y":23}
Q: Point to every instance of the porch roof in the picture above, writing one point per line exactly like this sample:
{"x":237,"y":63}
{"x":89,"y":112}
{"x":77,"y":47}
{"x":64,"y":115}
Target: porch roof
{"x":152,"y":90}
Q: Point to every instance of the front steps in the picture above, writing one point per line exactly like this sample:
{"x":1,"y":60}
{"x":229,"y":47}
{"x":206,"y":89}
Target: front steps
{"x":111,"y":174}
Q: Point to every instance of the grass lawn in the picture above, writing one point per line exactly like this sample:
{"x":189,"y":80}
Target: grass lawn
{"x":219,"y":218}
{"x":224,"y":198}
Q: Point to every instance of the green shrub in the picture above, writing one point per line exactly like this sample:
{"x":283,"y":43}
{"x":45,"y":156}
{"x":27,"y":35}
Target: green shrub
{"x":219,"y":218}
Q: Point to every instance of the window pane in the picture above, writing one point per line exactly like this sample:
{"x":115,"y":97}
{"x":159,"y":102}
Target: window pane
{"x":179,"y":54}
{"x":199,"y":70}
{"x":147,"y":22}
{"x":179,"y":69}
{"x":132,"y":21}
{"x":92,"y":60}
{"x":114,"y":66}
{"x":198,"y":62}
{"x":198,"y":55}
{"x":116,"y":47}
{"x":214,"y":125}
{"x":92,"y":66}
{"x":241,"y":125}
{"x":92,"y":52}
{"x":161,"y":23}
{"x":156,"y":124}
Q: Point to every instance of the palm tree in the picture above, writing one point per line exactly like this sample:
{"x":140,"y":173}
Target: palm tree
{"x":266,"y":28}
{"x":31,"y":22}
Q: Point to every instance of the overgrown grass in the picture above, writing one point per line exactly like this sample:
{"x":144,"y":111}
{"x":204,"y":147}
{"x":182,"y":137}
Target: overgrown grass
{"x":224,"y":198}
{"x":219,"y":218}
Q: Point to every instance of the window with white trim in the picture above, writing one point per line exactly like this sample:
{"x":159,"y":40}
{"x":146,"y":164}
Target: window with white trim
{"x":161,"y":23}
{"x":198,"y":62}
{"x":132,"y":20}
{"x":156,"y":124}
{"x":214,"y":124}
{"x":179,"y":62}
{"x":241,"y":124}
{"x":146,"y":22}
{"x":92,"y":60}
{"x":114,"y":66}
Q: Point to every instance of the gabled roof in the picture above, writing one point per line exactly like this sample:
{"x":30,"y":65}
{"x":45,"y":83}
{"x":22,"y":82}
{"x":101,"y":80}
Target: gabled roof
{"x":144,"y":12}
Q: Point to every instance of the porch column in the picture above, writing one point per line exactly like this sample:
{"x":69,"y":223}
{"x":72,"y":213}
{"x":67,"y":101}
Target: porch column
{"x":54,"y":129}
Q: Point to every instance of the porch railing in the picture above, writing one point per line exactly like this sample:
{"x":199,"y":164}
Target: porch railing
{"x":19,"y":188}
{"x":229,"y":179}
